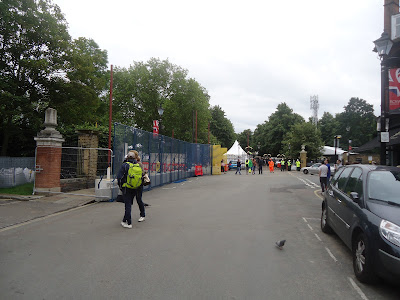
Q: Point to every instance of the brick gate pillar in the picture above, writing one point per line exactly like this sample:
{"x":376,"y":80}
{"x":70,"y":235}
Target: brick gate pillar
{"x":303,"y":157}
{"x":48,"y":155}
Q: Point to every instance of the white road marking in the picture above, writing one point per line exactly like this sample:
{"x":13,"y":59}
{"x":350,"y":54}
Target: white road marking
{"x":357,"y":288}
{"x":174,"y":187}
{"x":318,"y":238}
{"x":309,"y":226}
{"x":305,"y":220}
{"x":330,"y":254}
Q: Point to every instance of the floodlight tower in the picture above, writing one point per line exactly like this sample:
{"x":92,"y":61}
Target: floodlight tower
{"x":314,"y":105}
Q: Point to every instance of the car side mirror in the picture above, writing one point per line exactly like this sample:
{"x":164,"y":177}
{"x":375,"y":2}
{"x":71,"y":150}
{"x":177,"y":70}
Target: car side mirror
{"x":354,"y":196}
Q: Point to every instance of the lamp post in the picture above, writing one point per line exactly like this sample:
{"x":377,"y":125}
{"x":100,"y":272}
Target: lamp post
{"x":160,"y":112}
{"x":383,"y":45}
{"x":336,"y":142}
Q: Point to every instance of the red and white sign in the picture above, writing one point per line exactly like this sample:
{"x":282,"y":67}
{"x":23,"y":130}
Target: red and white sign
{"x":156,"y":128}
{"x":394,"y":88}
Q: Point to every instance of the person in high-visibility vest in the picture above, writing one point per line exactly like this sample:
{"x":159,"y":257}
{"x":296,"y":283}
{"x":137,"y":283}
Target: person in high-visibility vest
{"x":289,"y":165}
{"x":298,"y":165}
{"x":282,"y":165}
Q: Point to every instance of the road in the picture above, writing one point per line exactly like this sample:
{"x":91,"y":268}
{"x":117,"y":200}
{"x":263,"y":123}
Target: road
{"x":210,"y":237}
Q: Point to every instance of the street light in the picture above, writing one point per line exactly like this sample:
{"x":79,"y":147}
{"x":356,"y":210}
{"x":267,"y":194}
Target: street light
{"x":383,"y":45}
{"x":336,"y":142}
{"x":160,"y":112}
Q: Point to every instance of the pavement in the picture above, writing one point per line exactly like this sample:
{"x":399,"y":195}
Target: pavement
{"x":17,"y":209}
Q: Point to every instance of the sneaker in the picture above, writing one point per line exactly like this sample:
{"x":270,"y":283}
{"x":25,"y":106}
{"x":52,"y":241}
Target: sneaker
{"x":126,"y":225}
{"x":141,"y":219}
{"x":123,"y":224}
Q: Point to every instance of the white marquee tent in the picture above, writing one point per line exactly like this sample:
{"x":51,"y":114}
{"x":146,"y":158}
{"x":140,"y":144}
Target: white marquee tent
{"x":330,"y":151}
{"x":236,"y":152}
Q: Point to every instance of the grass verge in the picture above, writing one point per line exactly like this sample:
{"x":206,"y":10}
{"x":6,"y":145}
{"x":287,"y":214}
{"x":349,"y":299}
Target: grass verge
{"x":23,"y":189}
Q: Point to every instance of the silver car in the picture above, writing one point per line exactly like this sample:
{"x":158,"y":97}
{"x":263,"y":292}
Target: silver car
{"x":314,"y":169}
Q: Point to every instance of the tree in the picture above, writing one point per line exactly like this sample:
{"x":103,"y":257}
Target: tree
{"x":280,"y":122}
{"x":356,"y":123}
{"x":328,"y":126}
{"x":142,"y":88}
{"x":303,"y":134}
{"x":221,"y":127}
{"x":34,"y":38}
{"x":77,"y":100}
{"x":245,"y":138}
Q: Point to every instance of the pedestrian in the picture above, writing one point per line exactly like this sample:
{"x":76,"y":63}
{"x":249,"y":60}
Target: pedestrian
{"x":328,"y":176}
{"x":239,"y":164}
{"x":247,"y":166}
{"x":282,"y":165}
{"x":289,"y":165}
{"x":129,"y":179}
{"x":338,"y":164}
{"x":140,"y":190}
{"x":254,"y":166}
{"x":298,"y":164}
{"x":271,"y":166}
{"x":250,"y":165}
{"x":260,"y":165}
{"x":323,"y":173}
{"x":222,"y":166}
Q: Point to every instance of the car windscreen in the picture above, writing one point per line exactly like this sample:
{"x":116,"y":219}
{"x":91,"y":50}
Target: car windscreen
{"x":384,"y":185}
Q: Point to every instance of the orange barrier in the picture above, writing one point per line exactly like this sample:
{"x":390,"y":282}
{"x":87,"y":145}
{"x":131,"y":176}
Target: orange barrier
{"x":198,"y":171}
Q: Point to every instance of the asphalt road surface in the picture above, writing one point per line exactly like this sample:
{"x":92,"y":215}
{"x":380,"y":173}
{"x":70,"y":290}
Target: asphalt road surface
{"x":211,"y":237}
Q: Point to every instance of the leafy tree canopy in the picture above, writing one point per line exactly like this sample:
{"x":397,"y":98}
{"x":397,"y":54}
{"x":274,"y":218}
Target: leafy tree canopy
{"x":221,"y":127}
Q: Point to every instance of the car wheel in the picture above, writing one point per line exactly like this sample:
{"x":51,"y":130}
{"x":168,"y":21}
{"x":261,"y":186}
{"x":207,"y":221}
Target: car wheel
{"x":305,"y":171}
{"x":324,"y":221}
{"x":362,"y":260}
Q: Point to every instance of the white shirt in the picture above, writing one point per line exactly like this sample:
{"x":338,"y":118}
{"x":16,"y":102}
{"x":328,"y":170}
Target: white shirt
{"x":323,"y":170}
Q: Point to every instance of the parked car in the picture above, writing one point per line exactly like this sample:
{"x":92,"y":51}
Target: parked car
{"x":314,"y":169}
{"x":232,"y":164}
{"x":362,"y":206}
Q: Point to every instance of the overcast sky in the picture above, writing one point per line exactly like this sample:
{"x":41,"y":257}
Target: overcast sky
{"x":249,"y":55}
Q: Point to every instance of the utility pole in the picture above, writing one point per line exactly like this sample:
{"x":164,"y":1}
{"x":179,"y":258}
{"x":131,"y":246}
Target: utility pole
{"x":314,"y":105}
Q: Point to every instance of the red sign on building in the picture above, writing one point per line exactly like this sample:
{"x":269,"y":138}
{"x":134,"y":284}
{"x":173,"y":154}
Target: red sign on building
{"x":394,"y":88}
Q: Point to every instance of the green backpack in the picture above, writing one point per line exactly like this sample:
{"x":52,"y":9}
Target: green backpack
{"x":134,"y":176}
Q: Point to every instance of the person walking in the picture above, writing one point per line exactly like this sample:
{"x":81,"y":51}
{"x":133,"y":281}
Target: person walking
{"x":323,"y":173}
{"x":282,"y":165}
{"x":129,"y":186}
{"x":247,"y":166}
{"x":250,"y":165}
{"x":260,"y":166}
{"x":140,"y":189}
{"x":271,"y":166}
{"x":239,"y":164}
{"x":289,"y":165}
{"x":254,"y":166}
{"x":298,"y":164}
{"x":328,"y":177}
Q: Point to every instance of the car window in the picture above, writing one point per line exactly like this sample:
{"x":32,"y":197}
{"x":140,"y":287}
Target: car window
{"x":336,"y":176}
{"x":315,"y":165}
{"x":384,"y":185}
{"x":341,"y":182}
{"x":353,"y":182}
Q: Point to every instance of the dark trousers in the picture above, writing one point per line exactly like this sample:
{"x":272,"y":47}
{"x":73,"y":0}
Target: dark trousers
{"x":324,"y":183}
{"x":260,"y":170}
{"x":139,"y":193}
{"x":128,"y":195}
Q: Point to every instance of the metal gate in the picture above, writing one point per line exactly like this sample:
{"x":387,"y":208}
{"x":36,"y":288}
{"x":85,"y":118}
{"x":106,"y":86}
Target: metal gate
{"x":76,"y":170}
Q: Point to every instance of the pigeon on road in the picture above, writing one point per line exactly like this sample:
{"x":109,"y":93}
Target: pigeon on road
{"x":280,"y":244}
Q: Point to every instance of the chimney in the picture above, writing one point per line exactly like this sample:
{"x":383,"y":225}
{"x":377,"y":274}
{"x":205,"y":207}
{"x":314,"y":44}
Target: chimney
{"x":391,"y":7}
